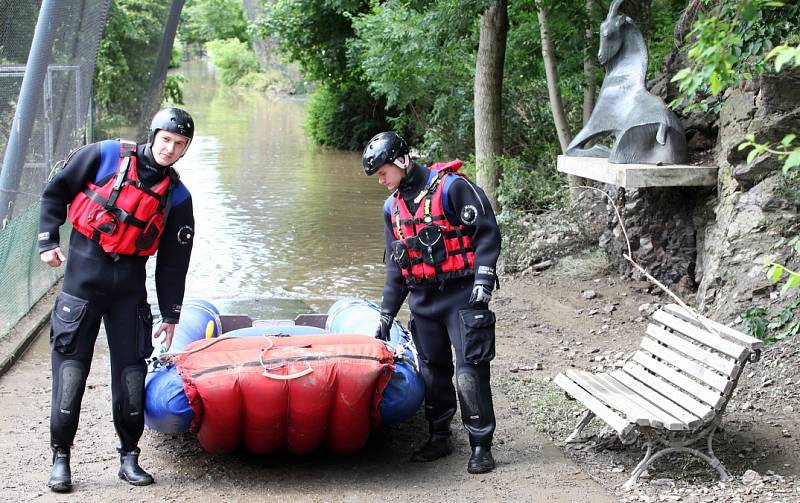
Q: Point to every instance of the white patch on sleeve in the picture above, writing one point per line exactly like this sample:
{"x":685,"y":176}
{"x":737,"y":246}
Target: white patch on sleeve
{"x":486,"y":270}
{"x":44,"y":236}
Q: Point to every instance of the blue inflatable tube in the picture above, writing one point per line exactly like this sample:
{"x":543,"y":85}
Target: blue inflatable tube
{"x":275,"y":330}
{"x":166,"y":408}
{"x":406,"y":390}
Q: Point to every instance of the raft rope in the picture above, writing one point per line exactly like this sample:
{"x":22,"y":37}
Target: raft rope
{"x":280,"y":377}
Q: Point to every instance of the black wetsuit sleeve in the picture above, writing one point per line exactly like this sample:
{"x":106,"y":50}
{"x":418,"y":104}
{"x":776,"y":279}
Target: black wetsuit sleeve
{"x":80,"y":168}
{"x":485,"y":234}
{"x":172,"y":261}
{"x":394,"y":289}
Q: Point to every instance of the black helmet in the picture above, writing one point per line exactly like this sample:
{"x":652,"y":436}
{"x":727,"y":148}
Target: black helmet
{"x":382,"y":148}
{"x":173,"y":120}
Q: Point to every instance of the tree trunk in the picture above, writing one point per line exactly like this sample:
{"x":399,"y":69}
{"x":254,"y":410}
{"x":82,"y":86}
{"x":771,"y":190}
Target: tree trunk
{"x":556,"y":104}
{"x":254,"y":10}
{"x":551,"y":71}
{"x":589,"y":68}
{"x":488,"y":97}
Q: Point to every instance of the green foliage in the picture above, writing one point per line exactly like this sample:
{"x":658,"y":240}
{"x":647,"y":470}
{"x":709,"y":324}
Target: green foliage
{"x":233,"y":59}
{"x":728,"y":47}
{"x":529,"y":187}
{"x":205,"y":20}
{"x":661,"y":41}
{"x":785,"y":150}
{"x":126,"y":57}
{"x":342,"y":116}
{"x":173,"y":89}
{"x":772,"y":325}
{"x":176,"y":57}
{"x":314,"y":34}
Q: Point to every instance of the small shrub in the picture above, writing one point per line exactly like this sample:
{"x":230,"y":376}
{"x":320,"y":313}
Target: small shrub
{"x":343,"y":116}
{"x":530,"y":188}
{"x":233,"y":59}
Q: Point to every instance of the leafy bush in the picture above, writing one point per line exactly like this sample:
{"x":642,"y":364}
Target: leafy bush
{"x":530,"y":188}
{"x":233,"y":59}
{"x":772,"y":325}
{"x":342,"y":116}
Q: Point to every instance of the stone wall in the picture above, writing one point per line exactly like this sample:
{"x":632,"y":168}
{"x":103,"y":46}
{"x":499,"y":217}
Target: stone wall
{"x":713,"y":240}
{"x":753,"y":210}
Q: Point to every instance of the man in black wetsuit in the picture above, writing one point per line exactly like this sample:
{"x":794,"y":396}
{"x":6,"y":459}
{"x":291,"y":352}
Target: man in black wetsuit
{"x":442,"y":245}
{"x":125,"y":203}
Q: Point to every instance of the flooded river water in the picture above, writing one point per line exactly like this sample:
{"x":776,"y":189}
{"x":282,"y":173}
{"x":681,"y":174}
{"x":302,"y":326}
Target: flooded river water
{"x":282,"y":225}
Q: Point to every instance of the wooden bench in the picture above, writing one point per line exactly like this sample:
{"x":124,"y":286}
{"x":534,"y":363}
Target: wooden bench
{"x":672,"y":392}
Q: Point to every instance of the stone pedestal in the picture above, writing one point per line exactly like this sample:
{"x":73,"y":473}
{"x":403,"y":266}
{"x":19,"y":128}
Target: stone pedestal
{"x":657,"y":205}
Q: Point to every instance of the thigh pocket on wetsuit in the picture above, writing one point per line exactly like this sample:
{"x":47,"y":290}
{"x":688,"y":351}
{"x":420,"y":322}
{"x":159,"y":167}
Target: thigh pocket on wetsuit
{"x":144,"y":330}
{"x":65,"y":322}
{"x":477,"y":332}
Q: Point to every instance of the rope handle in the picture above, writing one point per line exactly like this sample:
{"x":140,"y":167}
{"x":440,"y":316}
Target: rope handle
{"x":288,"y":377}
{"x":280,"y":377}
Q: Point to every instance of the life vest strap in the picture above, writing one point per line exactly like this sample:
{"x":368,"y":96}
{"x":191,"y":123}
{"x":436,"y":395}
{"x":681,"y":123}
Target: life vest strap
{"x":118,"y":212}
{"x":432,"y":280}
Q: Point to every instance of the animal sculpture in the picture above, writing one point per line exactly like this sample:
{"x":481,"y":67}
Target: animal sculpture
{"x":645,"y":130}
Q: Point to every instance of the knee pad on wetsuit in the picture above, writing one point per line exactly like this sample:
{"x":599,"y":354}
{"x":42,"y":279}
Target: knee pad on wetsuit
{"x":71,"y":381}
{"x":132,"y":381}
{"x":468,"y":391}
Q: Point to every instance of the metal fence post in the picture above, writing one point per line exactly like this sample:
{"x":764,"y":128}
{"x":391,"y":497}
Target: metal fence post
{"x":30,"y":97}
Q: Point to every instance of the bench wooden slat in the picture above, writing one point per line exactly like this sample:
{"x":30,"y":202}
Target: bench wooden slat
{"x":687,"y":366}
{"x":731,"y":333}
{"x":702,"y":336}
{"x":648,"y":414}
{"x":615,"y":402}
{"x":723,"y":365}
{"x":620,"y":425}
{"x":710,"y":396}
{"x":655,"y":397}
{"x":686,"y":401}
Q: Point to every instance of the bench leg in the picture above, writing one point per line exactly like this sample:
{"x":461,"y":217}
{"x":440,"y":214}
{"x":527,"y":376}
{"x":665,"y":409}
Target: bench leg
{"x":575,"y":437}
{"x":649,"y":458}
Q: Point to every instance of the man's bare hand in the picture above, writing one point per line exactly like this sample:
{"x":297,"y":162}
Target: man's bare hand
{"x":168,"y":329}
{"x":53,"y":258}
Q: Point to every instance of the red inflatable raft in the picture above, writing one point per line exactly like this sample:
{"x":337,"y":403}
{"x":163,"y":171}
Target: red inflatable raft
{"x":298,"y":392}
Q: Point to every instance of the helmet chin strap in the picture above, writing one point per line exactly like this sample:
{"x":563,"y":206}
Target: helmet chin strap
{"x":404,"y":163}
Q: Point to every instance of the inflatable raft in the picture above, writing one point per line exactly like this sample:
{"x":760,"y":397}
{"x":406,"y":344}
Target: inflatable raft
{"x":318,"y":380}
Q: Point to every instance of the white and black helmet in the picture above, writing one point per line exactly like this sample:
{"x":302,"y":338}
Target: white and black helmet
{"x":173,"y":120}
{"x":383,"y":148}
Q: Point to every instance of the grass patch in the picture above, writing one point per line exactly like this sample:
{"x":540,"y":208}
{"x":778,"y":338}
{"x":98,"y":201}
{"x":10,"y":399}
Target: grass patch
{"x":583,"y":266}
{"x":542,"y":403}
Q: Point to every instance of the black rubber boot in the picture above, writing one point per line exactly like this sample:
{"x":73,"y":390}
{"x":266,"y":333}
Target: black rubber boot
{"x":481,"y":460}
{"x":437,"y":446}
{"x":129,"y":469}
{"x":60,"y":475}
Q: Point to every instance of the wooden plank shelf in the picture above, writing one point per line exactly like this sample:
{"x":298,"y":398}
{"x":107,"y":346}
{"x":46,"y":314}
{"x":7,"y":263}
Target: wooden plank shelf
{"x":635,"y":176}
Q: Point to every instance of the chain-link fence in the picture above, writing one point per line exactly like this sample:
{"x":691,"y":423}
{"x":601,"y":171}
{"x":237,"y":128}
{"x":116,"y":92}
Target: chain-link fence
{"x":46,"y":71}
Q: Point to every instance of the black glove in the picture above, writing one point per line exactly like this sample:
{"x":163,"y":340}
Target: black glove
{"x":481,"y":293}
{"x":382,"y":332}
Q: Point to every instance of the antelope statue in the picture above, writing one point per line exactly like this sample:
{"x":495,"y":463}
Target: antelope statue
{"x":645,"y":130}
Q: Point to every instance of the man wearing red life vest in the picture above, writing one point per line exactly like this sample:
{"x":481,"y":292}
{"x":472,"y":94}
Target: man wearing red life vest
{"x":125,"y":203}
{"x":442,"y":245}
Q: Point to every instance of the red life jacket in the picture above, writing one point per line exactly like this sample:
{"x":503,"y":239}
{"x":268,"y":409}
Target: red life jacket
{"x":123,"y":215}
{"x":423,"y":234}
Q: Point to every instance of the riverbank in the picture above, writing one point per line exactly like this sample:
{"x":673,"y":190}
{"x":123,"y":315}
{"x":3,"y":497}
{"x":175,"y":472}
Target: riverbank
{"x":584,"y":317}
{"x":573,"y":314}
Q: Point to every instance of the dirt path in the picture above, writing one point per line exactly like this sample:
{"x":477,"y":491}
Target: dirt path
{"x":530,"y":466}
{"x":571,"y":315}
